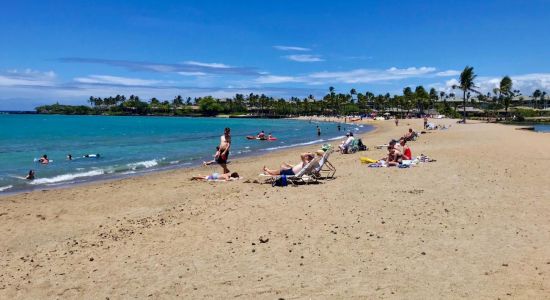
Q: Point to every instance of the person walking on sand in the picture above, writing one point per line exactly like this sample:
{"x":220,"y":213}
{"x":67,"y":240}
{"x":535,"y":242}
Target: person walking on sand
{"x":425,"y":121}
{"x":396,"y":121}
{"x":225,"y":144}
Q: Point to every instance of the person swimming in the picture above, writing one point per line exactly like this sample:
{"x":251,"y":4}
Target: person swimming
{"x":30,"y":176}
{"x":92,"y":156}
{"x":44,"y":160}
{"x":69,"y":156}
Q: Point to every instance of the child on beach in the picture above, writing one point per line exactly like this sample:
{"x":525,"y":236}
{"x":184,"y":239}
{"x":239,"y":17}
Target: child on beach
{"x":207,"y":163}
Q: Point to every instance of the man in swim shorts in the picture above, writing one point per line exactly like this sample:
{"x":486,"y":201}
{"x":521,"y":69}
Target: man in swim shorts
{"x":225,"y":144}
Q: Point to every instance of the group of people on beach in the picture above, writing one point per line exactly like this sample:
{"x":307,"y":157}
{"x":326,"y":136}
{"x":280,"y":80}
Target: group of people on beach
{"x":222,"y":154}
{"x":398,"y":151}
{"x":220,"y":157}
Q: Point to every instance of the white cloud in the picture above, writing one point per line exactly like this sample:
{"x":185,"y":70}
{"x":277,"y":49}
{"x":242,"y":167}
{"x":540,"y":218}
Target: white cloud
{"x":208,"y":65}
{"x":410,"y":71}
{"x":447,"y":73}
{"x":115,"y":80}
{"x":27,"y":77}
{"x":192,"y":73}
{"x":371,"y":75}
{"x":304,"y":58}
{"x":276,"y":79}
{"x":291,"y":48}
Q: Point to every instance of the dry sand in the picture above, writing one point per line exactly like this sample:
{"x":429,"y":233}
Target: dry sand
{"x":474,"y":224}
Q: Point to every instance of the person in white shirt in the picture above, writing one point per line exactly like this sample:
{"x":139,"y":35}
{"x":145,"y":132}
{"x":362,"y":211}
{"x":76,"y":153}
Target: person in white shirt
{"x":345,"y":144}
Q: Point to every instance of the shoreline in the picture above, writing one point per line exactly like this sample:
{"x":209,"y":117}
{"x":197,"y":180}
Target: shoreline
{"x":467,"y":225}
{"x":107,"y":177}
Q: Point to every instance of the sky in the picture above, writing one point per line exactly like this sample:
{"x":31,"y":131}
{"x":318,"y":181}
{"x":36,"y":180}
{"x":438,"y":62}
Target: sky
{"x":66,"y":51}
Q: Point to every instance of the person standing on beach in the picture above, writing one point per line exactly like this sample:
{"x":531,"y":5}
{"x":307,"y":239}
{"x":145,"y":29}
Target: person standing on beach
{"x":225,"y":144}
{"x":396,"y":121}
{"x":425,"y":122}
{"x":318,"y":130}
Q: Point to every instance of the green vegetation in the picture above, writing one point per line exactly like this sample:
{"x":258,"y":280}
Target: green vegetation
{"x":419,"y":101}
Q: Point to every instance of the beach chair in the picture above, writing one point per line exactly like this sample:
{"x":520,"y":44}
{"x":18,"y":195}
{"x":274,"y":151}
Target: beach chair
{"x":304,"y":176}
{"x":353,"y":147}
{"x":324,"y":166}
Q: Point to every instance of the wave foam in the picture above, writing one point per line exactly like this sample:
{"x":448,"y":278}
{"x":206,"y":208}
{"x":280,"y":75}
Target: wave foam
{"x":143,"y":164}
{"x":3,"y":188}
{"x":67,"y":177}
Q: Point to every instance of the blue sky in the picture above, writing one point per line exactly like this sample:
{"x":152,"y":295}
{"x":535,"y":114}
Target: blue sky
{"x":67,"y":51}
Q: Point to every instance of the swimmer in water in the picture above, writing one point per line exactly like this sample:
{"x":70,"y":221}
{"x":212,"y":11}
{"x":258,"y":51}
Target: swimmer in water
{"x":44,"y":160}
{"x":91,"y":156}
{"x":69,"y":156}
{"x":30,"y":176}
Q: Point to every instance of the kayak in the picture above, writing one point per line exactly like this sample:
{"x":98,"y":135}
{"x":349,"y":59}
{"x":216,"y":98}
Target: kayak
{"x":251,"y":137}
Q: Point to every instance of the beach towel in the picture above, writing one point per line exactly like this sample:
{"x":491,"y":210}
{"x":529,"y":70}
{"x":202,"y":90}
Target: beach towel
{"x":366,"y":160}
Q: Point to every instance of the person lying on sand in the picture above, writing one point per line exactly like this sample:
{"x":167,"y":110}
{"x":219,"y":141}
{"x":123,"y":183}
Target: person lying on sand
{"x":289,"y":170}
{"x":217,"y":176}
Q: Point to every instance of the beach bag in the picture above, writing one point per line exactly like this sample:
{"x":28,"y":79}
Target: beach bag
{"x":281,"y":181}
{"x":326,"y":147}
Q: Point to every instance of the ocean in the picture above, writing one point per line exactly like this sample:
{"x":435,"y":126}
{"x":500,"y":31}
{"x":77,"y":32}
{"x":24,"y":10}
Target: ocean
{"x":133,"y":145}
{"x":542,"y":128}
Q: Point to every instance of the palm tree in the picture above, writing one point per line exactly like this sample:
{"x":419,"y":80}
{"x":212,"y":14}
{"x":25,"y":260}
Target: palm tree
{"x":467,"y":84}
{"x":507,"y":92}
{"x":352,"y":92}
{"x":536,"y":94}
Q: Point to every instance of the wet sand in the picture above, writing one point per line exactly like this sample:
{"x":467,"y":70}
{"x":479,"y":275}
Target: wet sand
{"x":474,"y":224}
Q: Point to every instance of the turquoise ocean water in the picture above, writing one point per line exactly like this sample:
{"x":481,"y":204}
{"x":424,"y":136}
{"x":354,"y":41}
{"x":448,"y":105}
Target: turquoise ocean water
{"x":132,"y":145}
{"x":542,"y":128}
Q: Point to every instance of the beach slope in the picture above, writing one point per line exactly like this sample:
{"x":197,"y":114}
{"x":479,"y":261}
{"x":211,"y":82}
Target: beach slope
{"x":473,"y":224}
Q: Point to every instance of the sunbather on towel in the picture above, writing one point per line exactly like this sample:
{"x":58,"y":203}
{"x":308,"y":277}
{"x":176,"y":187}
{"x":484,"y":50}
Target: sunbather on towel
{"x":217,"y":176}
{"x":289,"y":170}
{"x":393,"y":158}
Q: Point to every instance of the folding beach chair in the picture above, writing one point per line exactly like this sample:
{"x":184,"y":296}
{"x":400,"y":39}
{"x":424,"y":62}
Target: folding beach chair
{"x":304,"y":176}
{"x":324,"y":166}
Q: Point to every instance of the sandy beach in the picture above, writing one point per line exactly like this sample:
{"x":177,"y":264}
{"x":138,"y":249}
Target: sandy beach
{"x":474,"y":224}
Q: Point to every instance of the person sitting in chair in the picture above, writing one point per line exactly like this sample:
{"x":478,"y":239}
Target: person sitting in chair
{"x":288,"y":169}
{"x":344,"y":146}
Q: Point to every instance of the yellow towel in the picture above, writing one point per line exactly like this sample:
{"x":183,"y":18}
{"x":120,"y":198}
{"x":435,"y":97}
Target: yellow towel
{"x":366,"y":160}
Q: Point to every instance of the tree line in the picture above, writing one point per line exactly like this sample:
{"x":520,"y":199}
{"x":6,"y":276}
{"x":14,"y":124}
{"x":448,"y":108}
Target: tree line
{"x":417,"y":101}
